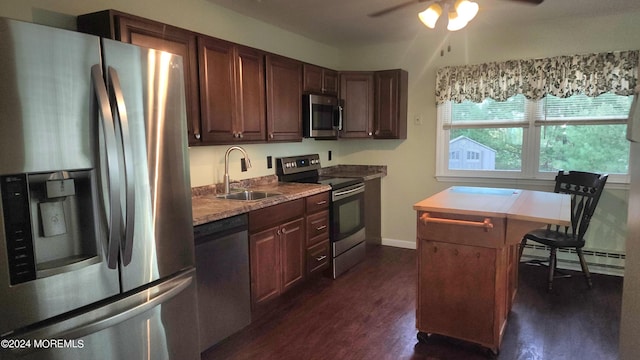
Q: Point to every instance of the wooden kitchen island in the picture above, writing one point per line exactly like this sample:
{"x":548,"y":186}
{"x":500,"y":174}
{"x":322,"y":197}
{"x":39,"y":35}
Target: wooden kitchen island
{"x":467,"y":241}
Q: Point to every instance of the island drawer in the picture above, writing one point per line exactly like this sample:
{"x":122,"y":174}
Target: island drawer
{"x":472,"y":230}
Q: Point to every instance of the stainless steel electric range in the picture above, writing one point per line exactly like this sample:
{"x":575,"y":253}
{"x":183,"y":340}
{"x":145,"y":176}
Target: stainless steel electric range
{"x":347,"y":233}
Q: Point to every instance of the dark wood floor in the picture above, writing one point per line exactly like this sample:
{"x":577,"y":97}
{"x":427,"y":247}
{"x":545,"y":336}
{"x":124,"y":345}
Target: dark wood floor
{"x":369,"y":313}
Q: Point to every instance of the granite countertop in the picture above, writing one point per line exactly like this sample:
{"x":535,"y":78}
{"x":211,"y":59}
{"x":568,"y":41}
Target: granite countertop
{"x":207,"y":207}
{"x":367,"y":172}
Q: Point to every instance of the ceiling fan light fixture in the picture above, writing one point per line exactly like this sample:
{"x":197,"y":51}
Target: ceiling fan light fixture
{"x":456,"y":22}
{"x":430,"y":16}
{"x":466,"y":9}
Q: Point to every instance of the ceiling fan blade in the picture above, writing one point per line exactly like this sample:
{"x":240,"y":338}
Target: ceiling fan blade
{"x":396,"y":7}
{"x":533,"y":2}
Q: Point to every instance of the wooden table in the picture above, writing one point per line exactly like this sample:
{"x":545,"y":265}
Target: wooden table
{"x":467,"y":241}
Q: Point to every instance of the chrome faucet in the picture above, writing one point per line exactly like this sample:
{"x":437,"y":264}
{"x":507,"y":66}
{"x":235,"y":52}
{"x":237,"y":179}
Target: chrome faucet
{"x":226,"y":165}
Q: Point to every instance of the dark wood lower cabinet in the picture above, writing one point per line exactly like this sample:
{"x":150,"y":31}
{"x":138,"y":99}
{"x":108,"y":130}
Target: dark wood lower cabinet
{"x":264,"y":249}
{"x":277,"y":249}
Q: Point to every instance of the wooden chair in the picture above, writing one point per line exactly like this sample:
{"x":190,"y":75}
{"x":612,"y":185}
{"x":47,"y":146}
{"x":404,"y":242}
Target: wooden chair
{"x":585,"y":189}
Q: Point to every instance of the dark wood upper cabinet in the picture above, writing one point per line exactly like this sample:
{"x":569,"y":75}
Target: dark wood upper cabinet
{"x":236,"y":93}
{"x":357,"y":94}
{"x":318,"y":80}
{"x":390,"y":119}
{"x":148,"y":33}
{"x":232,"y":92}
{"x":375,"y":104}
{"x":284,"y":98}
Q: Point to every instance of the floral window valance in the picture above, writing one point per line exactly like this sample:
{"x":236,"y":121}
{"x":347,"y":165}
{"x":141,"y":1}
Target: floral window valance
{"x":561,"y":76}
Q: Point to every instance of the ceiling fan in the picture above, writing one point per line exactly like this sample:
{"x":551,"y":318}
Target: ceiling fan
{"x":460,"y":12}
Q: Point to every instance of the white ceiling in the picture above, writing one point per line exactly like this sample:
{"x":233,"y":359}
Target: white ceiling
{"x":346,"y":22}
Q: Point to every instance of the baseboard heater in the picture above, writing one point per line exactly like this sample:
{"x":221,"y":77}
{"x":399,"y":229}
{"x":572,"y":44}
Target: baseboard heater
{"x":599,"y":261}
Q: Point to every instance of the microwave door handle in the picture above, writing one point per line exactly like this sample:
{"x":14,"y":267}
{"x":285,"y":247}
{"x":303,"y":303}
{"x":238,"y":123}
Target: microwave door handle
{"x":105,"y":118}
{"x":125,"y":136}
{"x":339,"y":117}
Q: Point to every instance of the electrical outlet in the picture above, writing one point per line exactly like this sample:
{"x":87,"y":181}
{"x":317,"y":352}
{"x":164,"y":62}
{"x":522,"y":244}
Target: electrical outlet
{"x":329,"y":155}
{"x":269,"y":162}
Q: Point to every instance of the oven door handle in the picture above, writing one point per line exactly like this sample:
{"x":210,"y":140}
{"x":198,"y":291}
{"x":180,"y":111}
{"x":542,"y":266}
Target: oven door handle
{"x":337,"y":195}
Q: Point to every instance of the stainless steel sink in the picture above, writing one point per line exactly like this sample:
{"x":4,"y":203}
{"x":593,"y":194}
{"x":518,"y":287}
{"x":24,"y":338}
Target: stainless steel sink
{"x":248,"y":195}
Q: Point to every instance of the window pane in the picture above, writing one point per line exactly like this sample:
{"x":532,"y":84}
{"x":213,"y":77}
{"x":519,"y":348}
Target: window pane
{"x":489,"y":110}
{"x":485,"y":149}
{"x":593,"y":148}
{"x":605,"y":106}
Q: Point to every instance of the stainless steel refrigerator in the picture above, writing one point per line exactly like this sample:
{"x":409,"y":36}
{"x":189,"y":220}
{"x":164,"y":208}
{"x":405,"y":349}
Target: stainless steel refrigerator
{"x":96,"y":236}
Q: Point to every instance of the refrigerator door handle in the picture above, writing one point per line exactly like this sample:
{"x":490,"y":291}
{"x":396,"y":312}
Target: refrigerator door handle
{"x":106,"y":316}
{"x":125,"y":136}
{"x":112,"y":167}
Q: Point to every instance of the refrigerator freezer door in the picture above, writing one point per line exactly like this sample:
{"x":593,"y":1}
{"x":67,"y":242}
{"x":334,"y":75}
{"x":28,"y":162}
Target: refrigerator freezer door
{"x":150,"y":324}
{"x":48,"y":125}
{"x":152,"y":86}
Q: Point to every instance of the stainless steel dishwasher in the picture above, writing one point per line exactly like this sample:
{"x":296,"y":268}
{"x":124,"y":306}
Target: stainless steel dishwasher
{"x":222,"y":266}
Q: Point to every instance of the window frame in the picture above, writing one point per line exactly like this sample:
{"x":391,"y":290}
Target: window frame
{"x":529,"y":173}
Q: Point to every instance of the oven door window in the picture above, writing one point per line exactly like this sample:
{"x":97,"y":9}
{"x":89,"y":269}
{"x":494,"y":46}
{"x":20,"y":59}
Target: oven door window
{"x":322,"y":118}
{"x":348,"y":216}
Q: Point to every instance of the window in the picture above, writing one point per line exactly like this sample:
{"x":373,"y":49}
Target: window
{"x":533,"y":136}
{"x":577,"y":133}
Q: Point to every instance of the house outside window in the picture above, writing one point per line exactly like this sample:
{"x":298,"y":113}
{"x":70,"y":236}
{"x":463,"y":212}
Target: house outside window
{"x":533,"y":133}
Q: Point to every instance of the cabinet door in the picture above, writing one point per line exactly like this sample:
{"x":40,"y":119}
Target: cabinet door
{"x":318,"y":80}
{"x":217,"y":89}
{"x":292,"y":253}
{"x":330,"y":82}
{"x":391,"y":105}
{"x":250,"y":96}
{"x":284,"y":99}
{"x":456,"y":291}
{"x":356,"y":90}
{"x":312,"y":79}
{"x":151,"y":34}
{"x":264,"y":253}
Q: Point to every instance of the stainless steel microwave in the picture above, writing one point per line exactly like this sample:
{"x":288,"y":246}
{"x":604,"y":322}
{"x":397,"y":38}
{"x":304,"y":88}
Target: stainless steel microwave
{"x":321,"y":116}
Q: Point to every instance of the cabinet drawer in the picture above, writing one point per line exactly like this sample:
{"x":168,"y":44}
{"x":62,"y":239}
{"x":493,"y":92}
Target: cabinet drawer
{"x":318,"y":257}
{"x":276,"y":214}
{"x":317,"y":227}
{"x":462,"y":229}
{"x":317,"y":202}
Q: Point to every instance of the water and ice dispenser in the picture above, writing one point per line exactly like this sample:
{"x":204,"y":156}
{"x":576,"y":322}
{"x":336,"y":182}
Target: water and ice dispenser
{"x":49,"y":223}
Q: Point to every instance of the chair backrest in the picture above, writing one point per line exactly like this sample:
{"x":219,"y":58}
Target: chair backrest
{"x":585,"y":189}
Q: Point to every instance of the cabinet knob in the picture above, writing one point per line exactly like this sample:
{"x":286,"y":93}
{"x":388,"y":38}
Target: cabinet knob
{"x":240,"y":135}
{"x":321,"y":258}
{"x":370,"y":133}
{"x":197,"y":136}
{"x":270,"y":135}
